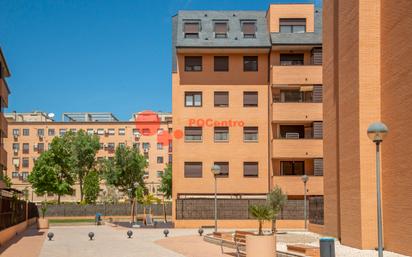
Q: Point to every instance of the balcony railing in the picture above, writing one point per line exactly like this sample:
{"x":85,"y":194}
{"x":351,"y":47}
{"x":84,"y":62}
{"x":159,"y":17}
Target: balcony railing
{"x":293,"y":185}
{"x":297,"y":148}
{"x":297,"y":112}
{"x":298,"y":75}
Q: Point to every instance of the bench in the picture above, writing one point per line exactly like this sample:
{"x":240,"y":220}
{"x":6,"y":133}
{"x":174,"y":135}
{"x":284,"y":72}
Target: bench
{"x":307,"y":250}
{"x":236,"y":241}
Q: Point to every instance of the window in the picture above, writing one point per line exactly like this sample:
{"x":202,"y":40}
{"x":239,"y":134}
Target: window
{"x":136,"y":145}
{"x":193,"y":170}
{"x":292,"y":168}
{"x":100,"y":131}
{"x":170,"y":158}
{"x":221,"y":133}
{"x":40,"y":132}
{"x":250,"y":133}
{"x":16,"y":162}
{"x":101,"y":146}
{"x":292,"y":25}
{"x":250,"y":169}
{"x":250,"y":99}
{"x":16,"y":147}
{"x":193,"y":99}
{"x":193,"y":63}
{"x":90,"y":131}
{"x":51,"y":132}
{"x":291,"y":59}
{"x":111,"y":132}
{"x":16,"y":132}
{"x":123,"y":145}
{"x":26,"y":132}
{"x":62,"y":132}
{"x":292,"y":131}
{"x":221,"y":99}
{"x":136,"y":132}
{"x":111,"y":146}
{"x":160,"y":131}
{"x":40,"y":147}
{"x":146,"y":132}
{"x":146,"y":146}
{"x":191,"y":29}
{"x":73,"y":130}
{"x":159,"y":173}
{"x":220,"y":28}
{"x":294,"y":96}
{"x":15,"y":174}
{"x":122,"y":131}
{"x":159,"y":146}
{"x":250,"y":63}
{"x":224,"y":169}
{"x":24,"y":175}
{"x":221,"y":63}
{"x":25,"y":162}
{"x":159,"y":159}
{"x":26,"y":148}
{"x":249,"y":29}
{"x":193,"y":133}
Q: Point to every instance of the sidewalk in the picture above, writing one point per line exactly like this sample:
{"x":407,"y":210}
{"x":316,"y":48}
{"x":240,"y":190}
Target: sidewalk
{"x":27,"y":244}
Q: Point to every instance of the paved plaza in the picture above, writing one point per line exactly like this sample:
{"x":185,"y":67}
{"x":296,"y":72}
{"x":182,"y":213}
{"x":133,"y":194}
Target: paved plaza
{"x":73,"y":241}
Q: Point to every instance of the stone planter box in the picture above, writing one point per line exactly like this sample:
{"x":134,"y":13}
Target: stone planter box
{"x":261,"y":246}
{"x":42,"y":223}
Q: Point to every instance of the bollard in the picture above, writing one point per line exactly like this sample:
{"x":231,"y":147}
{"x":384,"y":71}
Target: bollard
{"x":166,"y":232}
{"x":200,"y":231}
{"x":91,"y":235}
{"x":129,"y":233}
{"x":50,"y":235}
{"x":327,"y":247}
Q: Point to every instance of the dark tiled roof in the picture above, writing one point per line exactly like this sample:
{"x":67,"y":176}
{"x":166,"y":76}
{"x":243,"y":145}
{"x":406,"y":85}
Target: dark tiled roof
{"x":301,"y":38}
{"x":235,"y":37}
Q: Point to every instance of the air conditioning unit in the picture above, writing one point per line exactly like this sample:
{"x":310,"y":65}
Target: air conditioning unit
{"x":41,"y":137}
{"x":15,"y":151}
{"x":292,"y":135}
{"x":15,"y":136}
{"x":146,"y":150}
{"x":35,"y":147}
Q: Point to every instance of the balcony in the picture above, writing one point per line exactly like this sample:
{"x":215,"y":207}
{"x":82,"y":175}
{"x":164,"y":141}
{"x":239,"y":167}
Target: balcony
{"x":293,"y":185}
{"x":297,"y":112}
{"x":297,"y":148}
{"x":296,"y":74}
{"x":3,"y":124}
{"x":3,"y":157}
{"x":4,"y":93}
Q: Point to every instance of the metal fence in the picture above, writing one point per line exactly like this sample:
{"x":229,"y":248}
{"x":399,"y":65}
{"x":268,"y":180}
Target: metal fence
{"x":121,"y":209}
{"x":13,"y":211}
{"x":231,"y":209}
{"x":316,"y":210}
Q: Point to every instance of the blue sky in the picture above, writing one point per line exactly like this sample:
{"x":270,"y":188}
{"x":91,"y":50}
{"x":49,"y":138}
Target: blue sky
{"x":94,"y":55}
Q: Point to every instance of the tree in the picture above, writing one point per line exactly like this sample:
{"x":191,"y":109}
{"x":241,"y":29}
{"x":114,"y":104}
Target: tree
{"x":7,"y":181}
{"x":84,"y":150}
{"x":91,"y":187}
{"x":166,"y":187}
{"x":276,"y":200}
{"x":52,"y":172}
{"x":125,"y":172}
{"x":166,"y":182}
{"x":261,"y":213}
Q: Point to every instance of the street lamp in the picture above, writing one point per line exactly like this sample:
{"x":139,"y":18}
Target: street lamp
{"x":216,"y":172}
{"x":376,"y":132}
{"x":305,"y":179}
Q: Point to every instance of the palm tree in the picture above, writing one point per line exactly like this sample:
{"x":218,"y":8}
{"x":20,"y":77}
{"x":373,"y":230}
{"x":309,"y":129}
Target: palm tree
{"x":261,"y":213}
{"x":276,"y":200}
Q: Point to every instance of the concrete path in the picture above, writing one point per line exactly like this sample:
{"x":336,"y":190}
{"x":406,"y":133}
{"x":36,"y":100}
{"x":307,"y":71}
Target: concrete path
{"x":27,"y":244}
{"x":108,"y":242}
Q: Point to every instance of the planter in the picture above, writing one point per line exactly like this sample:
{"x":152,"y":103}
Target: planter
{"x":261,"y":246}
{"x":42,"y":223}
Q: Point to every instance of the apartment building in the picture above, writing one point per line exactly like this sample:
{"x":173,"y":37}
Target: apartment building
{"x":247,"y":96}
{"x":367,"y":75}
{"x":4,"y":102}
{"x":31,"y":134}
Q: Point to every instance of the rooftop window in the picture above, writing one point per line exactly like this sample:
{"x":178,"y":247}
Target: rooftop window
{"x":191,"y":29}
{"x":220,"y":28}
{"x":292,"y":25}
{"x":249,"y":29}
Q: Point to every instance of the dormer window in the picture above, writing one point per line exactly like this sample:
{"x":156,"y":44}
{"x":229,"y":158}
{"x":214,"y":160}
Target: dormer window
{"x":191,"y":29}
{"x":249,"y":29}
{"x":292,"y":25}
{"x":220,"y":28}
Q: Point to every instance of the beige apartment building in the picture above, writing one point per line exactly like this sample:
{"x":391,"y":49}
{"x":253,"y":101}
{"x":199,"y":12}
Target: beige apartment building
{"x":4,"y":102}
{"x":367,"y":76}
{"x":247,"y":96}
{"x":31,"y":134}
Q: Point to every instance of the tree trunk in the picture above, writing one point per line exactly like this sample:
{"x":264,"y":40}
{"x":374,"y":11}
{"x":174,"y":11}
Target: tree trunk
{"x":164,"y":209}
{"x":132,"y":211}
{"x":260,"y":227}
{"x":58,"y":199}
{"x":274,"y":226}
{"x":81,"y":189}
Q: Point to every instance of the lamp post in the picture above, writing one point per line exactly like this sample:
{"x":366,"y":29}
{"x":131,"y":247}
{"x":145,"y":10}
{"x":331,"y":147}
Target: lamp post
{"x":376,"y":132}
{"x":215,"y":171}
{"x":305,"y":179}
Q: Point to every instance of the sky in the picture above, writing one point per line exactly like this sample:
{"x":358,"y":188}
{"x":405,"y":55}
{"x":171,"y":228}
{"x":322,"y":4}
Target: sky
{"x":95,"y":55}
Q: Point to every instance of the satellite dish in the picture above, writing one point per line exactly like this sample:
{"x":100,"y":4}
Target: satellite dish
{"x":51,"y":115}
